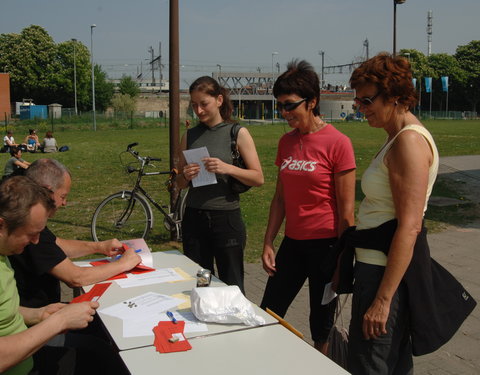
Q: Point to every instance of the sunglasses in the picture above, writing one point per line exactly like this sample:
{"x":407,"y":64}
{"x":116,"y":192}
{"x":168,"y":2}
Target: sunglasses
{"x":367,"y":101}
{"x":289,"y":106}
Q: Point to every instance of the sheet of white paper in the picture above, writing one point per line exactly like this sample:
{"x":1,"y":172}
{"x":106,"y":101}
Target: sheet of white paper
{"x":328,"y":294}
{"x":142,"y":306}
{"x":162,"y":275}
{"x":145,"y":253}
{"x":195,"y":156}
{"x":144,"y":326}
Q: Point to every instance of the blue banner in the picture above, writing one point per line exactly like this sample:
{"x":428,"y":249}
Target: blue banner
{"x":445,"y":84}
{"x":414,"y":82}
{"x":428,"y":84}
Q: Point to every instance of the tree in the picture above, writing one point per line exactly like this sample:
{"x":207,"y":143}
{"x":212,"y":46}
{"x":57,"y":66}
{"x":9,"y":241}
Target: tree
{"x":103,"y":89}
{"x":66,"y":89}
{"x":29,"y":57}
{"x":43,"y":71}
{"x":442,"y":65}
{"x":129,"y":87}
{"x":468,"y":57}
{"x":124,"y":103}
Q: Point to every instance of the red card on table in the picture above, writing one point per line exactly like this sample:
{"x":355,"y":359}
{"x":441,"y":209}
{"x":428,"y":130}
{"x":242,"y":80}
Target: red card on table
{"x":93,"y":294}
{"x":169,"y":337}
{"x":138,"y":269}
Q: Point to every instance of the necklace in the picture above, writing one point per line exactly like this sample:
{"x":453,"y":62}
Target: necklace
{"x":317,"y":127}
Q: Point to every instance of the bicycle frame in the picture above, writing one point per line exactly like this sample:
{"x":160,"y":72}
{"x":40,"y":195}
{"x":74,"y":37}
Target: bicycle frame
{"x":137,"y":188}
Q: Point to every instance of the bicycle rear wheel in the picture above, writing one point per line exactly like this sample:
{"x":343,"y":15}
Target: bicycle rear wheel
{"x":123,"y":217}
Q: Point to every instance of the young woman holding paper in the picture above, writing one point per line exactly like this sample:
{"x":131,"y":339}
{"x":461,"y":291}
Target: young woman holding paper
{"x":213,"y":229}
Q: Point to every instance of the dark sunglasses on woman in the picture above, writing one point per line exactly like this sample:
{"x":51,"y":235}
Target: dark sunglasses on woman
{"x":289,"y":106}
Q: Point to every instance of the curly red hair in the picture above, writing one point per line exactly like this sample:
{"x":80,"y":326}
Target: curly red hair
{"x":392,"y":76}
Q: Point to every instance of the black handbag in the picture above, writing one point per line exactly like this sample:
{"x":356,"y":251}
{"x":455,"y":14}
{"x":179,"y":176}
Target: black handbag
{"x":237,"y":160}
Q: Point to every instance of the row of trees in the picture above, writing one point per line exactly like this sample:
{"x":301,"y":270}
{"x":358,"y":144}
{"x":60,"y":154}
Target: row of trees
{"x":463,"y":70}
{"x":43,"y":71}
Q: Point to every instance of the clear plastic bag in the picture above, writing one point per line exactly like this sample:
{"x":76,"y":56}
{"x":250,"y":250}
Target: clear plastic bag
{"x":224,"y":304}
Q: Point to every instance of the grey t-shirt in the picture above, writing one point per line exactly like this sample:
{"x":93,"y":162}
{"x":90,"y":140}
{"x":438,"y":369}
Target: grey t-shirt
{"x":218,"y":196}
{"x":10,"y":166}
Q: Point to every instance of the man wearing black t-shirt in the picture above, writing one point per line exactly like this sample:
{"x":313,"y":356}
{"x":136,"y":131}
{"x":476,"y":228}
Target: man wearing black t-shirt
{"x":40,"y":267}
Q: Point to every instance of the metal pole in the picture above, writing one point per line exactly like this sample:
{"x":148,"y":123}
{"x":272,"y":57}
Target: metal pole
{"x":174,"y":99}
{"x":273,"y":82}
{"x":395,"y":2}
{"x":394,"y":27}
{"x":322,"y":53}
{"x":75,"y":75}
{"x":93,"y":78}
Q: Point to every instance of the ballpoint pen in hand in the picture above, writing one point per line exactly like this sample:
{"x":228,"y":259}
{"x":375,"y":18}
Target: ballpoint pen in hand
{"x":120,"y":255}
{"x":170,"y":315}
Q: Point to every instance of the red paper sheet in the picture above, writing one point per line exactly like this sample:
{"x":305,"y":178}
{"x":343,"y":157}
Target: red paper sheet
{"x":93,"y":295}
{"x":138,"y":269}
{"x":164,"y":331}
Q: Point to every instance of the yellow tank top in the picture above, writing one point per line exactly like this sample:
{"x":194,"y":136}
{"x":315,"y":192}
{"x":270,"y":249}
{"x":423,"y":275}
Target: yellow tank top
{"x":377,"y":207}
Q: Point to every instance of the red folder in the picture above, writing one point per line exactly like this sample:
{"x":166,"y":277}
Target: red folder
{"x":169,"y":337}
{"x":93,"y":294}
{"x":138,"y":269}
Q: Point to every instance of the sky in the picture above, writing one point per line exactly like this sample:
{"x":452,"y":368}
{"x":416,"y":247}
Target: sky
{"x":243,"y":35}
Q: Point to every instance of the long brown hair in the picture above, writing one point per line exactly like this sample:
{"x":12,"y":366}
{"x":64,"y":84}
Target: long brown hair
{"x":211,"y":87}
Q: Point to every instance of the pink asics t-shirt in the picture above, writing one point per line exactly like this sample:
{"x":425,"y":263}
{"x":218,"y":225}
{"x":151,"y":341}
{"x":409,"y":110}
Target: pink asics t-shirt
{"x":307,"y":165}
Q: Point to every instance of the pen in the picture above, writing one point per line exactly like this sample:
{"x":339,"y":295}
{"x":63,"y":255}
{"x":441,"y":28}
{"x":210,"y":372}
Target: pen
{"x":170,"y":315}
{"x":120,"y":255}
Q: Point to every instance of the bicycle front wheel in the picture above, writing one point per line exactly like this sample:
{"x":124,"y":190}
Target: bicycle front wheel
{"x":123,"y":217}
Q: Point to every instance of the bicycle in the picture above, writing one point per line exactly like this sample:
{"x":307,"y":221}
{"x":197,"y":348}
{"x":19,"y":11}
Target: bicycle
{"x":128,"y":214}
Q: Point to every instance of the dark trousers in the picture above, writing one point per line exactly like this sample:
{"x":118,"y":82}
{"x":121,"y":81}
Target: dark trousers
{"x":215,"y":235}
{"x":50,"y":360}
{"x":296,"y":261}
{"x":389,"y":354}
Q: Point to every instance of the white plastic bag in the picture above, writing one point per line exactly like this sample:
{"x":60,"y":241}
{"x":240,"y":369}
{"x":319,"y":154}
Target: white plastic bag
{"x":225,"y":304}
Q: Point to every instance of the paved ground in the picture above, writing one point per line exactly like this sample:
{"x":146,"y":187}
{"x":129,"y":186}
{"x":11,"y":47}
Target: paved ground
{"x":455,"y":248}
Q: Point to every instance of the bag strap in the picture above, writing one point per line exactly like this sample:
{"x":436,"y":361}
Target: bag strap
{"x":233,"y":140}
{"x":339,"y":308}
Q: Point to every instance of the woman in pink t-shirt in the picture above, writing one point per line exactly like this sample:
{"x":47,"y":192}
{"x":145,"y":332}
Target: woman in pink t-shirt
{"x":315,"y":195}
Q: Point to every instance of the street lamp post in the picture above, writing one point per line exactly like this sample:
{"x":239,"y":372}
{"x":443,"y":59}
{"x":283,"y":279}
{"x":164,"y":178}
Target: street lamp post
{"x":395,"y":2}
{"x":75,"y":75}
{"x":273,"y":81}
{"x":322,"y":82}
{"x":219,"y":71}
{"x":93,"y":77}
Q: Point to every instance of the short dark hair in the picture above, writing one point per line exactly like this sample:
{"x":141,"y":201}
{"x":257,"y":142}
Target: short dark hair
{"x":48,"y":173}
{"x":17,"y":196}
{"x":299,"y":79}
{"x":14,"y":150}
{"x":211,"y":87}
{"x":390,"y":74}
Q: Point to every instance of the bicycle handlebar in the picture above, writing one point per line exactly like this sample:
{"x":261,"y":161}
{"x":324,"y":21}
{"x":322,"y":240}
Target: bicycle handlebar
{"x":143,"y":159}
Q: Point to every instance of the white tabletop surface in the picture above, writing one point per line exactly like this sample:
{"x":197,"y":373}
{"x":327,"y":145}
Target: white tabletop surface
{"x":115,"y":294}
{"x":263,"y":350}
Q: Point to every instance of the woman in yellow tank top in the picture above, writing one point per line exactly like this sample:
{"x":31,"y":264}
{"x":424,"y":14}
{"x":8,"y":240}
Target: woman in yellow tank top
{"x":396,"y":185}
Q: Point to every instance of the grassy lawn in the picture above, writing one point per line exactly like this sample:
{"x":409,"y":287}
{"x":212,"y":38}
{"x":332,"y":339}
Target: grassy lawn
{"x":94,"y":162}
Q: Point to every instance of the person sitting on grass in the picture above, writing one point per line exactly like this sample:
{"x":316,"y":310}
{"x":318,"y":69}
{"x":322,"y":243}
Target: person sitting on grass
{"x":15,"y":165}
{"x":32,"y":141}
{"x":8,"y":141}
{"x":49,"y":143}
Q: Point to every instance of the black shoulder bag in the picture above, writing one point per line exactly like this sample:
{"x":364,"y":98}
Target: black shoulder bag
{"x":237,"y":160}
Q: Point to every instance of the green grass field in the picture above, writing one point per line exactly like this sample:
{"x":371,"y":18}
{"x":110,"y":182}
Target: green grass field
{"x":94,"y":162}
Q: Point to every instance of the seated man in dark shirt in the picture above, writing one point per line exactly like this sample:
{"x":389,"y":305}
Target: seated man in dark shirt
{"x":40,"y":267}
